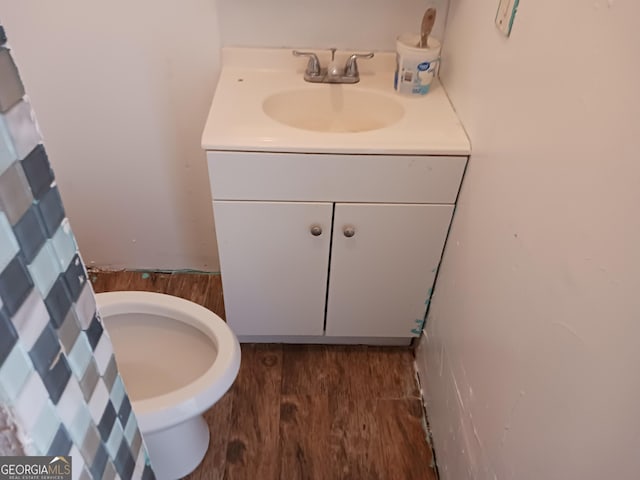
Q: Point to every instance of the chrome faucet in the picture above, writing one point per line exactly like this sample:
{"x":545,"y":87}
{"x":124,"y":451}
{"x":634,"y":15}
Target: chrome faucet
{"x":333,"y":73}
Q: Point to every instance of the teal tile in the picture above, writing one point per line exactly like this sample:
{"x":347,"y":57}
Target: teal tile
{"x":7,"y":152}
{"x":44,"y":269}
{"x":64,"y":244}
{"x":131,"y":429}
{"x":117,"y":393}
{"x":70,"y":401}
{"x":8,"y":242}
{"x":80,"y":424}
{"x":46,"y":427}
{"x":80,"y":356}
{"x":115,"y":439}
{"x":14,"y":373}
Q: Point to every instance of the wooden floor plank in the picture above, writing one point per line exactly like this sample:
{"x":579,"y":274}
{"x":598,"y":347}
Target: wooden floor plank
{"x":215,"y":299}
{"x":253,"y":451}
{"x":203,"y":289}
{"x":305,"y":451}
{"x":129,"y":280}
{"x":307,"y":370}
{"x":304,"y":411}
{"x":335,"y":369}
{"x":392,"y":370}
{"x":402,"y":451}
{"x":353,"y":438}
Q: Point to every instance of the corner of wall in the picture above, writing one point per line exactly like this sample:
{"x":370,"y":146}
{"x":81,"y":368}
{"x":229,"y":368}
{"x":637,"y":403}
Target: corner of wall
{"x":458,"y":449}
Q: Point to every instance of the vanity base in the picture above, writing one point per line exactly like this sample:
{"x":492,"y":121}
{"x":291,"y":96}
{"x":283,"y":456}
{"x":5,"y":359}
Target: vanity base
{"x":379,"y":341}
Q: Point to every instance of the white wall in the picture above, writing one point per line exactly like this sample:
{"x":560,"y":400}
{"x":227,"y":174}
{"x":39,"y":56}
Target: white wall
{"x":136,"y":80}
{"x":532,"y":348}
{"x":345,"y":24}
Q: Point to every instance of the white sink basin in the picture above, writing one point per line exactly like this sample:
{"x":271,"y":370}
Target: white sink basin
{"x":263,"y":104}
{"x":333,"y":108}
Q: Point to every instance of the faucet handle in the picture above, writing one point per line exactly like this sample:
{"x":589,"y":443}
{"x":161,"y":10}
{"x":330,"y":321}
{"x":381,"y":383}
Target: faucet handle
{"x":313,"y":66}
{"x":351,"y":67}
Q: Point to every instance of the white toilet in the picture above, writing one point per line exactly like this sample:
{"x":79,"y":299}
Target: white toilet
{"x":176,"y":359}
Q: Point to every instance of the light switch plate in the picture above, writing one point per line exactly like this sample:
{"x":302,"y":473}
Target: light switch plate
{"x":505,"y":15}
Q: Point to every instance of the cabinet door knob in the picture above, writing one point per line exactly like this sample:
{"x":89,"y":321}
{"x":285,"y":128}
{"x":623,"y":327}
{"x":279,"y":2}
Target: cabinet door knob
{"x":349,"y":232}
{"x":316,"y":230}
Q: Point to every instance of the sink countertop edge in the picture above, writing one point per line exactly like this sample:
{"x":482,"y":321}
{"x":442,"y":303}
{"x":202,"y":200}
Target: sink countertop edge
{"x":236,"y":121}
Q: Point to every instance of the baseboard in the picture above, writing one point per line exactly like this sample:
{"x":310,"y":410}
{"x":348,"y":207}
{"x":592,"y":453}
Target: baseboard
{"x":379,"y":341}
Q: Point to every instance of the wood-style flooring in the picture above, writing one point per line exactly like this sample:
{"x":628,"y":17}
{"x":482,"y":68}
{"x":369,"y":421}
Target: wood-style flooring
{"x":304,"y":412}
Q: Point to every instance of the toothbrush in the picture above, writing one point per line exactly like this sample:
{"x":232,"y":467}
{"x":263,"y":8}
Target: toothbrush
{"x":428,"y":20}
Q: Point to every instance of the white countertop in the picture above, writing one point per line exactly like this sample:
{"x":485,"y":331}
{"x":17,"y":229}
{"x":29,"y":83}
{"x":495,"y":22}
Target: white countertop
{"x":237,"y":121}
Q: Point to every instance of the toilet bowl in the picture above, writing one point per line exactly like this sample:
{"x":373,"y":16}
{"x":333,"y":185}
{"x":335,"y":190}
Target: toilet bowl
{"x":176,"y":359}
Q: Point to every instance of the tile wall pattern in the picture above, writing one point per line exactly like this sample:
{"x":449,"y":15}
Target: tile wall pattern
{"x":60,"y":391}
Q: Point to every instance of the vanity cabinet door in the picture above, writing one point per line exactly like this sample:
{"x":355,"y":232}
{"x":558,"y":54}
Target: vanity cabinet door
{"x":383,"y":264}
{"x":274,"y":263}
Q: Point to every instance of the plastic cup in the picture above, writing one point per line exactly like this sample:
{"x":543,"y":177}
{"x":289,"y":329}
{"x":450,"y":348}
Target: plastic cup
{"x":415,"y":66}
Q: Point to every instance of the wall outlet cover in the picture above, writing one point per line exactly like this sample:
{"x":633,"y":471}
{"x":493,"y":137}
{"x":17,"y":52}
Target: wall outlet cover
{"x":506,"y":14}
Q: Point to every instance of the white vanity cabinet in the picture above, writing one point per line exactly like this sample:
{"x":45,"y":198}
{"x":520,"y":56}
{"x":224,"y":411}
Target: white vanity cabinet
{"x":330,"y":248}
{"x":383,"y":263}
{"x":274,"y":258}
